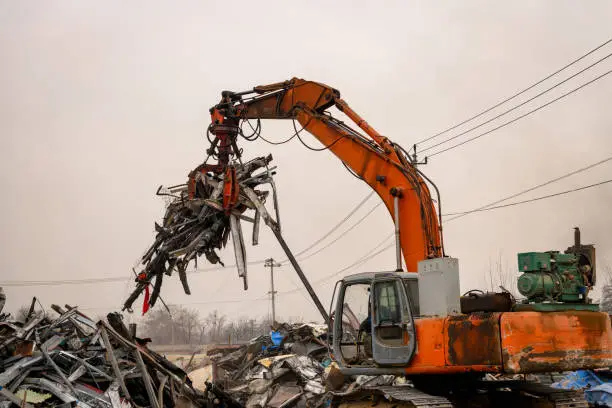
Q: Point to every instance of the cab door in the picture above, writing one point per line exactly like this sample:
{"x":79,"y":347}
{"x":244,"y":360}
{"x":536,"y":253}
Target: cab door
{"x":393,"y":330}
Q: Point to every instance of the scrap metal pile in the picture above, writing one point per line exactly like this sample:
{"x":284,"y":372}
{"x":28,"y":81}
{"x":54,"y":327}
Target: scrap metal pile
{"x":273,"y":370}
{"x":291,"y":367}
{"x":74,"y":361}
{"x":200,"y":218}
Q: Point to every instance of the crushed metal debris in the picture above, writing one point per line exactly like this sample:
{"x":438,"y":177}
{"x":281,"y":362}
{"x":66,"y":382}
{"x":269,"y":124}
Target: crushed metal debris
{"x":200,"y":217}
{"x":291,"y":367}
{"x":72,"y":360}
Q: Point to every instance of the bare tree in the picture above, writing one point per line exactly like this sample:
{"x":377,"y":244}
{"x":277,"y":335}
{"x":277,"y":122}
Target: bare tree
{"x":159,"y":326}
{"x":180,"y":325}
{"x":189,"y":328}
{"x":189,"y":321}
{"x":605,"y":303}
{"x":500,"y":275}
{"x":216,"y":323}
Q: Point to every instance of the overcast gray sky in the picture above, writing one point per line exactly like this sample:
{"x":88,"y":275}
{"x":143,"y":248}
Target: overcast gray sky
{"x":101,"y":102}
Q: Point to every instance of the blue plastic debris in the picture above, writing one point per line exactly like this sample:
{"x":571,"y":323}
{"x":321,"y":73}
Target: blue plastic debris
{"x":600,"y":395}
{"x":276,"y":338}
{"x":597,"y":391}
{"x":578,"y":380}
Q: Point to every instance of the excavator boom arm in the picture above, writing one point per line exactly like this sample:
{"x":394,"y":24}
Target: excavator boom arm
{"x":382,"y":164}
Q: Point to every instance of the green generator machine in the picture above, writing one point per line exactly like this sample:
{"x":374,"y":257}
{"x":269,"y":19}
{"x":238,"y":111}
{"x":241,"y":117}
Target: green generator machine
{"x":554,"y":281}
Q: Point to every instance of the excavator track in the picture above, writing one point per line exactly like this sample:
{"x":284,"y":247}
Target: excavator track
{"x":412,"y":395}
{"x":528,"y":394}
{"x":552,"y":397}
{"x":391,"y":396}
{"x":485,"y":394}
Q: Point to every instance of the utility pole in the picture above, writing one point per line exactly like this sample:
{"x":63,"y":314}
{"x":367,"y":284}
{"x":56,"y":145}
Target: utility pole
{"x":271,"y":263}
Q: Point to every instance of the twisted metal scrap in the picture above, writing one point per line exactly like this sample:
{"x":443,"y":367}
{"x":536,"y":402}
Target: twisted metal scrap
{"x":198,"y":226}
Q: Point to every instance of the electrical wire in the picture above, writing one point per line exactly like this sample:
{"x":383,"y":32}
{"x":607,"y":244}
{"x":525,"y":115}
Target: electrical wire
{"x":211,"y":302}
{"x":371,"y":254}
{"x":59,"y":282}
{"x":533,"y":199}
{"x":301,"y":292}
{"x":338,"y":225}
{"x":523,"y":115}
{"x":514,"y":108}
{"x":343,"y":234}
{"x":366,"y":257}
{"x":115,"y":279}
{"x":564,"y":176}
{"x":518,"y":93}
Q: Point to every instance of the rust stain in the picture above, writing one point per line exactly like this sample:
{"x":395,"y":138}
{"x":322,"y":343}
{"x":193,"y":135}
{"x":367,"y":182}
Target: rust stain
{"x":473,"y":339}
{"x":555,"y":341}
{"x":562,"y":361}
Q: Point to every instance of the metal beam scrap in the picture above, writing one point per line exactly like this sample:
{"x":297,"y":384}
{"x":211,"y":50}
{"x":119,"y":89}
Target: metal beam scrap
{"x":86,"y":364}
{"x":200,"y":217}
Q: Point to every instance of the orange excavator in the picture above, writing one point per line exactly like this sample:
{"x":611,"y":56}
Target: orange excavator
{"x":415,"y":322}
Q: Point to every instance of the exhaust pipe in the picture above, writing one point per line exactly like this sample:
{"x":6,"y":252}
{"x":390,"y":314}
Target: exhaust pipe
{"x":576,"y":237}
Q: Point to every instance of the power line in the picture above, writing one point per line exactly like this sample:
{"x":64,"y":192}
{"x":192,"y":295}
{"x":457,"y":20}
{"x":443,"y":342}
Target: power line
{"x":301,"y":292}
{"x":60,"y":282}
{"x":343,"y":234}
{"x":521,"y":116}
{"x":366,"y":257}
{"x":516,"y":94}
{"x":515,"y":107}
{"x":64,"y":281}
{"x":590,"y":166}
{"x":338,"y":225}
{"x":327,"y":234}
{"x":211,"y":302}
{"x":534,"y":199}
{"x":370,"y":254}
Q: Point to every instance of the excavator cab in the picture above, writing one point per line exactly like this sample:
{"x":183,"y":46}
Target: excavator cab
{"x":375,"y":325}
